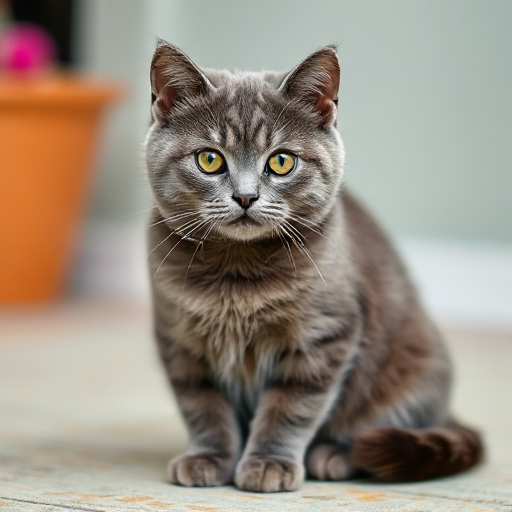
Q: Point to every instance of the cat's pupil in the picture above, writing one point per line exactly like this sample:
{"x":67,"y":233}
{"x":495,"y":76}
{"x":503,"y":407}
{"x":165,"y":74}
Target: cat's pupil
{"x":210,"y":157}
{"x":280,"y":160}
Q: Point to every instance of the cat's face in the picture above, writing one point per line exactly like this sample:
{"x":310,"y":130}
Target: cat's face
{"x":243,"y":155}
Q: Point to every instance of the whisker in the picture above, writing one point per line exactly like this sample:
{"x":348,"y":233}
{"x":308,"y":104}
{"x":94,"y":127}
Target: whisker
{"x":200,"y":244}
{"x":271,"y":211}
{"x":280,"y":114}
{"x":214,"y":119}
{"x":296,"y":219}
{"x":311,"y":222}
{"x":145,"y":228}
{"x":295,"y":230}
{"x":287,"y":249}
{"x":136,"y":233}
{"x":300,"y":245}
{"x":186,"y":226}
{"x":281,"y":129}
{"x":186,"y":235}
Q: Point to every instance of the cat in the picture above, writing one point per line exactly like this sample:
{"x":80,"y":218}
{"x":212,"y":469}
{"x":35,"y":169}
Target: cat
{"x":290,"y":332}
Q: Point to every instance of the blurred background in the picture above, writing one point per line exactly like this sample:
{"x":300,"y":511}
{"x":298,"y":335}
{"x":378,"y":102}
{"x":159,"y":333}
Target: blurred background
{"x":425,"y":111}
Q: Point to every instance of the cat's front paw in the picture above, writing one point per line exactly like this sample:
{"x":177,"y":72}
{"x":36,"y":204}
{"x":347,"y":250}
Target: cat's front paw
{"x":328,"y":461}
{"x":201,"y":470}
{"x":269,"y":474}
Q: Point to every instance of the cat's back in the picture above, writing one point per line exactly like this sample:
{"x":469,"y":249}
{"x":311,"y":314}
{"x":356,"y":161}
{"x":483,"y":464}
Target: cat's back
{"x":388,"y":299}
{"x":375,"y":258}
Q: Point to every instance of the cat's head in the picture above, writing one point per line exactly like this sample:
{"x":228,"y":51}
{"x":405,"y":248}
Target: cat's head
{"x":243,"y":154}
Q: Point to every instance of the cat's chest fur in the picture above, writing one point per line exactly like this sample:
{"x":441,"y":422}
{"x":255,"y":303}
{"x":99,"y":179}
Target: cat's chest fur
{"x":239,"y":321}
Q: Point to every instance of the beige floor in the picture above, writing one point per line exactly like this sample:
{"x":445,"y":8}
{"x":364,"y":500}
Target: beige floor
{"x":87,"y":423}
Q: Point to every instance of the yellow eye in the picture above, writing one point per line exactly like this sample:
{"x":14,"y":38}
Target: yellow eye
{"x":282,"y":163}
{"x":209,"y":161}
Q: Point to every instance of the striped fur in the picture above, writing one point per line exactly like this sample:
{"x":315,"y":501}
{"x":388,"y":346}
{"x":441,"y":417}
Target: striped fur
{"x":290,"y":332}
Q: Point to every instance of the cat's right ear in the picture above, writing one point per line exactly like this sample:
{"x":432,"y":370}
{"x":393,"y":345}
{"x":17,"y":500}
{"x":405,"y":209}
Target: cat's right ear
{"x":315,"y":82}
{"x":174,"y":77}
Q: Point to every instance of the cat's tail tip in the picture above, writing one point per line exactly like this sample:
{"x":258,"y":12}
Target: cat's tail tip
{"x":407,"y":455}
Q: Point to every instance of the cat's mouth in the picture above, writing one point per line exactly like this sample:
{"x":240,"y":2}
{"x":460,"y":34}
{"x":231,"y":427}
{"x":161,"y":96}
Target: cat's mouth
{"x":244,"y":220}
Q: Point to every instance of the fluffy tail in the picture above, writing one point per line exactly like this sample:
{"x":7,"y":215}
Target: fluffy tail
{"x":407,"y":455}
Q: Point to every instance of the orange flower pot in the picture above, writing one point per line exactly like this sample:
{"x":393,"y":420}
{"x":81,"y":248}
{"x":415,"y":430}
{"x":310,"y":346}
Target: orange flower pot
{"x":48,"y":133}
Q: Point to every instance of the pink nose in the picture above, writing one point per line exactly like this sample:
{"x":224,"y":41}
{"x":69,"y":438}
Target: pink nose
{"x":245,"y":200}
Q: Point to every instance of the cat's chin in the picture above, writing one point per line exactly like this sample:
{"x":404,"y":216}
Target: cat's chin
{"x":245,"y":230}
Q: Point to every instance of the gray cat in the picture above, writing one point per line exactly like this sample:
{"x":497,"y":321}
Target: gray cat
{"x":286,"y":322}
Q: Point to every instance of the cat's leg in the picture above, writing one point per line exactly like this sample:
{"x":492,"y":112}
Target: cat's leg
{"x":329,"y":461}
{"x":214,"y":432}
{"x":288,"y":416}
{"x":398,"y":420}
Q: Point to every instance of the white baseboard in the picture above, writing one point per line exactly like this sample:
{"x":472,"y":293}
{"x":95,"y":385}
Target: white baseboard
{"x":461,"y":284}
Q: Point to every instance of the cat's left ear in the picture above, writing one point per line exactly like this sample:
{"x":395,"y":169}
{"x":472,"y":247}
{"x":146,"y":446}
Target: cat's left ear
{"x":315,"y":82}
{"x":174,"y":78}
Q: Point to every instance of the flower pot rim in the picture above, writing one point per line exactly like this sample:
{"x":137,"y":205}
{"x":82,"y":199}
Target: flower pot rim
{"x":57,"y":90}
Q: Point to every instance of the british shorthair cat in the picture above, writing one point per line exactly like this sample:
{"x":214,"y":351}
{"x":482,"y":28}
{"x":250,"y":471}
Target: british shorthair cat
{"x":287,"y":324}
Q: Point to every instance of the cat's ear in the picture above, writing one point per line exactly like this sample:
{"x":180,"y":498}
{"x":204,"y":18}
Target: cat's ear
{"x":315,"y":82}
{"x":174,"y":77}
